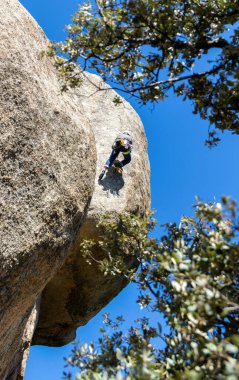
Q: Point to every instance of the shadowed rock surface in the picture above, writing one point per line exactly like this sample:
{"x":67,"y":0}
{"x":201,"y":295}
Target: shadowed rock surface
{"x":47,"y":161}
{"x":79,"y":291}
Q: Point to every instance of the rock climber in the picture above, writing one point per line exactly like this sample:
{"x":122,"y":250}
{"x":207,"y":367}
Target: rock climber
{"x":123,"y":143}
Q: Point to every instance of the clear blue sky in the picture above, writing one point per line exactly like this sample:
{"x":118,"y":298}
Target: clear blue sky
{"x":181,"y":167}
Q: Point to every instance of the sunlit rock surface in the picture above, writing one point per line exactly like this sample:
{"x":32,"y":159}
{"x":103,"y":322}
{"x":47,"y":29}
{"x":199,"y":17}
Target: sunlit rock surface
{"x":79,"y":290}
{"x":53,"y":146}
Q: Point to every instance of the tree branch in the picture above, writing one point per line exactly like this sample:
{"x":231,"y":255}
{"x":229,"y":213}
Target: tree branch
{"x":173,"y":80}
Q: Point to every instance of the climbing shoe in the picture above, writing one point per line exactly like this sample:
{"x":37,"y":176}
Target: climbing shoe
{"x":101,"y":175}
{"x":118,"y":169}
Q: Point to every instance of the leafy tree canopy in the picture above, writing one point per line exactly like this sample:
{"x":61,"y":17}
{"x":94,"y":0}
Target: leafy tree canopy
{"x":152,"y":46}
{"x":191,"y":277}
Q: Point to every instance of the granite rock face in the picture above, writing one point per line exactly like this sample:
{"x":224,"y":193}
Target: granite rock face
{"x":47,"y":164}
{"x":78,"y":291}
{"x":53,"y":146}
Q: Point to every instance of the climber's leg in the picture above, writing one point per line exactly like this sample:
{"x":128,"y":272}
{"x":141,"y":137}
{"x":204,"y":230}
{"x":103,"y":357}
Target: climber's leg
{"x":112,"y":158}
{"x":109,"y":163}
{"x":119,"y":165}
{"x":126,"y":160}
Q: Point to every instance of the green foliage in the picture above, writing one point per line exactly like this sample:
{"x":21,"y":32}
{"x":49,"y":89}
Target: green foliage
{"x":191,"y":277}
{"x":152,"y":46}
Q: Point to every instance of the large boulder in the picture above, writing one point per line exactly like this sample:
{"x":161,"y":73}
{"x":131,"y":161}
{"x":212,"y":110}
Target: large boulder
{"x":78,"y":291}
{"x":47,"y":161}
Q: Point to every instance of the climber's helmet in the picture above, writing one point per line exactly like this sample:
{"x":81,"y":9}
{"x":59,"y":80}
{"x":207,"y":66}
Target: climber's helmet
{"x":127,"y":133}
